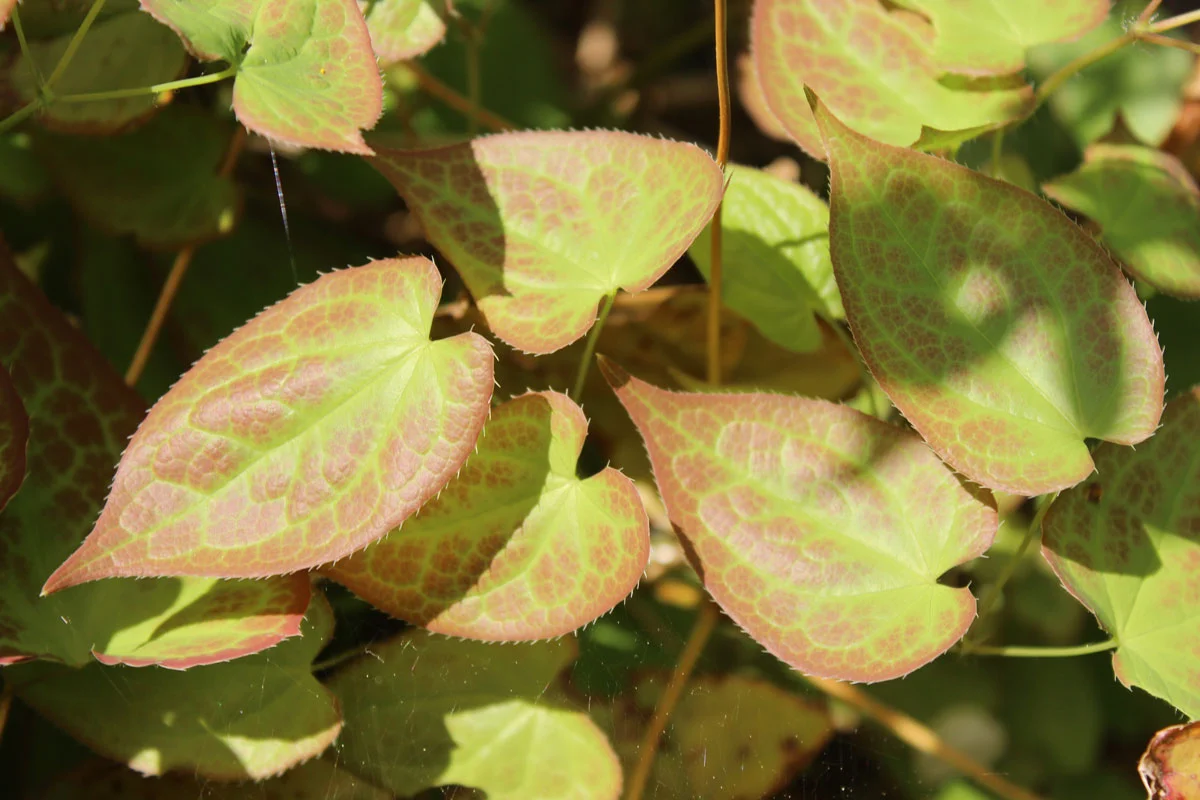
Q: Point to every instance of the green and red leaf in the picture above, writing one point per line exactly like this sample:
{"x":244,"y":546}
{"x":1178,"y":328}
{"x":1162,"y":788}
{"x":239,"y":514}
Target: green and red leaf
{"x":528,"y":220}
{"x":1126,"y":543}
{"x":312,"y":431}
{"x":1170,"y":767}
{"x":14,"y":438}
{"x":821,"y":531}
{"x":1001,"y":330}
{"x":515,"y":547}
{"x":403,"y":29}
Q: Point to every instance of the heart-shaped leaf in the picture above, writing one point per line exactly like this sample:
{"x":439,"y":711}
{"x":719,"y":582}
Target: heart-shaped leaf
{"x":403,"y":29}
{"x":1126,"y":543}
{"x":309,"y":433}
{"x":80,"y":415}
{"x":1170,"y":767}
{"x":515,"y":547}
{"x":484,"y":716}
{"x":306,"y":74}
{"x":248,"y":719}
{"x":775,"y":248}
{"x":1148,"y":209}
{"x":821,"y":531}
{"x":875,"y":68}
{"x":1002,"y":331}
{"x":14,"y":437}
{"x":527,"y":220}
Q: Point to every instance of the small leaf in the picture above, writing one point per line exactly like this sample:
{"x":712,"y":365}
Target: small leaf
{"x":1126,"y":543}
{"x":515,"y":547}
{"x":1003,"y":332}
{"x":309,"y":433}
{"x":1170,"y":767}
{"x":403,"y":29}
{"x":821,"y":531}
{"x":138,"y":182}
{"x":990,"y":37}
{"x":875,"y":69}
{"x":1148,"y":210}
{"x":248,"y":719}
{"x":775,"y":251}
{"x":527,"y":220}
{"x":14,"y":438}
{"x":484,"y":716}
{"x":306,"y":73}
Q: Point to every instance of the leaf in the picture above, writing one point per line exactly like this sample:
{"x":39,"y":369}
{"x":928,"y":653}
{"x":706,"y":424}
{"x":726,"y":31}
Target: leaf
{"x":138,"y":182}
{"x":6,"y":7}
{"x":484,"y":716}
{"x":990,"y":37}
{"x":775,"y":252}
{"x":306,"y":74}
{"x":526,"y":219}
{"x":1126,"y":543}
{"x":1170,"y":767}
{"x":403,"y":29}
{"x":14,"y":438}
{"x":1148,"y":210}
{"x":821,"y":531}
{"x":80,"y":415}
{"x":515,"y":547}
{"x":250,"y":718}
{"x":309,"y":433}
{"x":125,"y":50}
{"x":1003,"y":332}
{"x":754,"y":101}
{"x":876,"y":70}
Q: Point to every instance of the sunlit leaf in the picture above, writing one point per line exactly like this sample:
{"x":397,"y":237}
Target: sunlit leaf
{"x":1126,"y":543}
{"x":515,"y":547}
{"x":81,"y":414}
{"x":247,"y":719}
{"x":14,"y":438}
{"x":821,"y":531}
{"x":6,"y":7}
{"x":309,"y":433}
{"x":875,"y":69}
{"x":484,"y":716}
{"x":1003,"y":332}
{"x":1170,"y":767}
{"x":527,"y":219}
{"x":306,"y":74}
{"x":403,"y":29}
{"x":124,"y":50}
{"x":139,"y":182}
{"x":750,"y":93}
{"x":990,"y":37}
{"x":775,"y":256}
{"x":1148,"y":209}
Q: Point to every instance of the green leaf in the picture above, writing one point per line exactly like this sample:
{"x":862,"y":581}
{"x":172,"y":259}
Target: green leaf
{"x":990,"y":37}
{"x":528,"y":220}
{"x":515,"y":547}
{"x":250,"y":718}
{"x":306,"y":74}
{"x":80,"y":415}
{"x":141,"y":183}
{"x":1003,"y":332}
{"x":14,"y":438}
{"x":1148,"y":210}
{"x":821,"y":531}
{"x":1142,"y":82}
{"x":484,"y":716}
{"x":1170,"y":767}
{"x":1126,"y":543}
{"x":775,"y":252}
{"x":875,"y":68}
{"x":309,"y":433}
{"x":403,"y":29}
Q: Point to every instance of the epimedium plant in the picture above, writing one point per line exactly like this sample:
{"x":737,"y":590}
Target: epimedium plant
{"x":829,"y":436}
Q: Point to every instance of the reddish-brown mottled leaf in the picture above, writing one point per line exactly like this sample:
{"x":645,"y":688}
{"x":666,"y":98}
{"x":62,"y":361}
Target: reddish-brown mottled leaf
{"x":821,"y":531}
{"x":515,"y":547}
{"x":542,"y":226}
{"x":1170,"y":767}
{"x":14,"y":436}
{"x":403,"y":29}
{"x":309,"y":433}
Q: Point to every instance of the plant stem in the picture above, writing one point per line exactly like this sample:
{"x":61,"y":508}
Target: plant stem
{"x":919,"y":737}
{"x":706,"y":622}
{"x":1046,"y":652}
{"x":435,"y":88}
{"x":1148,"y":11}
{"x":23,"y":43}
{"x":1171,"y":23}
{"x":589,"y":348}
{"x":714,"y":277}
{"x":1051,"y":84}
{"x":1167,"y":41}
{"x":73,"y":45}
{"x":158,"y":88}
{"x":17,"y":117}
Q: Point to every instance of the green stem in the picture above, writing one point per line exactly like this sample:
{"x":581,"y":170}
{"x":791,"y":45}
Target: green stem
{"x":1171,"y":23}
{"x":17,"y":117}
{"x":158,"y":88}
{"x":1105,"y":50}
{"x":589,"y":349}
{"x":1167,"y":41}
{"x":26,"y":53}
{"x":1046,"y":652}
{"x":73,"y":45}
